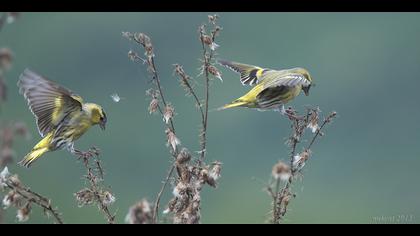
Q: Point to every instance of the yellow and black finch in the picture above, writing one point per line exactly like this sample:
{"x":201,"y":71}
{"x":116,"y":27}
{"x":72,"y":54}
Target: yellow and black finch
{"x":273,"y":88}
{"x":61,"y":116}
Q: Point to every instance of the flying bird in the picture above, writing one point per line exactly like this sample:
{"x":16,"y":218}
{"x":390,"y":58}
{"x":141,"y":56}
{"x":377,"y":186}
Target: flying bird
{"x":273,"y":88}
{"x":61,"y":116}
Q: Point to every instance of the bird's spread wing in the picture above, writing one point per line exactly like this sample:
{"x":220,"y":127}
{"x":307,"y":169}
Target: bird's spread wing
{"x":250,"y":74}
{"x":48,"y":101}
{"x":280,"y":78}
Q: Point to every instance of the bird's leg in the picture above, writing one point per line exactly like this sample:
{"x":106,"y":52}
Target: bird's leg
{"x":282,"y":110}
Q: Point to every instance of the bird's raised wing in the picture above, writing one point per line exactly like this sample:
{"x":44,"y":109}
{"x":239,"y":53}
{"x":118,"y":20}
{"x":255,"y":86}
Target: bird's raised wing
{"x":250,"y":74}
{"x":282,"y":78}
{"x":48,"y":101}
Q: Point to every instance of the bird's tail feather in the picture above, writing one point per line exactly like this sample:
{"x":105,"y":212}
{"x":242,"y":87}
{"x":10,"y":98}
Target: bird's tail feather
{"x":40,"y":149}
{"x":33,"y":156}
{"x":237,"y":103}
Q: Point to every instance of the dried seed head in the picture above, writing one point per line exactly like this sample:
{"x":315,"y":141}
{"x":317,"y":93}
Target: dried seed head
{"x":153,"y":106}
{"x":85,"y":197}
{"x":172,"y":140}
{"x":300,"y":160}
{"x":107,"y":198}
{"x":132,"y":55}
{"x":206,"y":39}
{"x":168,"y":114}
{"x":281,"y":171}
{"x":213,"y":18}
{"x":180,"y":190}
{"x":23,"y":213}
{"x":215,"y":171}
{"x":15,"y":181}
{"x":12,"y":199}
{"x":4,"y":176}
{"x":183,"y":157}
{"x":313,"y":122}
{"x":140,"y":213}
{"x":128,"y":35}
{"x":6,"y":57}
{"x":215,"y":72}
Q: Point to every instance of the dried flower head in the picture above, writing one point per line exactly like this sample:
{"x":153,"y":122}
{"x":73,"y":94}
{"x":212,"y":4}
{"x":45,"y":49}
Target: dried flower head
{"x":23,"y":213}
{"x":183,"y":157}
{"x":140,"y":213}
{"x":4,"y":175}
{"x":132,"y":55}
{"x":215,"y":72}
{"x":313,"y":122}
{"x":107,"y":198}
{"x":153,"y":106}
{"x":128,"y":35}
{"x":168,"y":113}
{"x":12,"y":199}
{"x":85,"y":197}
{"x":172,"y":140}
{"x":208,"y":40}
{"x":281,"y":171}
{"x":215,"y":171}
{"x":6,"y":57}
{"x":180,"y":190}
{"x":213,"y":18}
{"x":300,"y":160}
{"x":15,"y":181}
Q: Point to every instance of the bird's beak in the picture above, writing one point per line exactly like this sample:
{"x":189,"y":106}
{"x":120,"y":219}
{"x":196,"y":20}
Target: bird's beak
{"x":102,"y":123}
{"x":306,"y":90}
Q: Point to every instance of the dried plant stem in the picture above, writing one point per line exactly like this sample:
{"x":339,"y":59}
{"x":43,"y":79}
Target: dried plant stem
{"x":206,"y":63}
{"x":94,"y":175}
{"x":35,"y":198}
{"x":159,"y":195}
{"x":282,"y":196}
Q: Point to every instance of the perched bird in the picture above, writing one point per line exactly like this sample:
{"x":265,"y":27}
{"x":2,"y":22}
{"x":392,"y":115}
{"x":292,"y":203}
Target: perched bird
{"x":61,"y":116}
{"x":273,"y":88}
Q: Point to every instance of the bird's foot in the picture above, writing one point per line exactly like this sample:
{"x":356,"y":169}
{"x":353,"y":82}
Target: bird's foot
{"x":289,"y":113}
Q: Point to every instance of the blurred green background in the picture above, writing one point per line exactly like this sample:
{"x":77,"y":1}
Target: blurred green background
{"x":366,"y":67}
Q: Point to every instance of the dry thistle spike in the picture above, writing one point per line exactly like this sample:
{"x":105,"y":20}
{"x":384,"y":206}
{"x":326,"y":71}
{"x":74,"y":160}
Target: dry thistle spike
{"x":313,"y":121}
{"x":299,"y":160}
{"x":172,"y":140}
{"x":23,"y":198}
{"x":183,"y":157}
{"x":206,"y":39}
{"x":168,"y":113}
{"x":23,"y":213}
{"x":140,"y":213}
{"x":281,"y":171}
{"x":215,"y":72}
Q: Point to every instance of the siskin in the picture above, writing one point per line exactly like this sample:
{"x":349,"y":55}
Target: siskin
{"x":273,"y":88}
{"x":61,"y":116}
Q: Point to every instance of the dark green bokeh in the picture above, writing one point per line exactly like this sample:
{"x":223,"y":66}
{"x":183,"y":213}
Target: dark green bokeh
{"x":365,"y":65}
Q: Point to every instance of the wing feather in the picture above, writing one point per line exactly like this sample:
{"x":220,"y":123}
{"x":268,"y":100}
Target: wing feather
{"x":280,"y":78}
{"x":248,"y":73}
{"x":49,"y":102}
